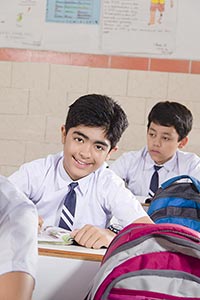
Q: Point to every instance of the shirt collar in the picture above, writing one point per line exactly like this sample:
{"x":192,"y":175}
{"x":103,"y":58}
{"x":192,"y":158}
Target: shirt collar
{"x":149,"y":163}
{"x":83,"y":183}
{"x":170,"y":164}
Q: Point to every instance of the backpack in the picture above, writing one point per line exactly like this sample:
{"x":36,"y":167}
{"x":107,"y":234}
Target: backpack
{"x":150,"y":262}
{"x":177,"y":202}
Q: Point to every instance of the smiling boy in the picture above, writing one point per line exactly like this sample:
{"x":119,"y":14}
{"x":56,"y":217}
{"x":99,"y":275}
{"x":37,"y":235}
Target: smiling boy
{"x":85,"y":150}
{"x":169,"y":124}
{"x":93,"y":127}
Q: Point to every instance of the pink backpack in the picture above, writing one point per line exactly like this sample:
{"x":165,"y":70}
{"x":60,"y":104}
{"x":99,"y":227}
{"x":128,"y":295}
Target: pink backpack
{"x":150,"y":262}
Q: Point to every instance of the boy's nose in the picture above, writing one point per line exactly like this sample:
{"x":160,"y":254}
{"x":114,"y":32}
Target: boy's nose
{"x":157,"y":142}
{"x":85,"y":151}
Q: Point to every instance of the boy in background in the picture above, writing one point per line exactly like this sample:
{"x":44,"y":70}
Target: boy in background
{"x":93,"y":127}
{"x":169,"y":124}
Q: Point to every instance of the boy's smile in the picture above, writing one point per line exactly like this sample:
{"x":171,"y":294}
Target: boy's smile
{"x":162,"y":142}
{"x":85,"y":150}
{"x":81,"y":164}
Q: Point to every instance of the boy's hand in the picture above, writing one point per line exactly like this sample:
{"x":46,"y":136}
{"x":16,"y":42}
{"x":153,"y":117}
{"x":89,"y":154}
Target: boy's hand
{"x":93,"y":237}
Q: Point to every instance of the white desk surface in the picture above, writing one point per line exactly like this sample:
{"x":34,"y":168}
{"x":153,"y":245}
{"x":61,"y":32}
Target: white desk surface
{"x":72,"y":248}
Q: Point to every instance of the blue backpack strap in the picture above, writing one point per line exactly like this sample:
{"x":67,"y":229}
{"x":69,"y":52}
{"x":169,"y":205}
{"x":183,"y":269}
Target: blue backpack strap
{"x":176,"y":178}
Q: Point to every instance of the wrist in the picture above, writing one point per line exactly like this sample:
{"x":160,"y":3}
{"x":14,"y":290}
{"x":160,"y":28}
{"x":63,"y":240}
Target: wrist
{"x":115,"y":228}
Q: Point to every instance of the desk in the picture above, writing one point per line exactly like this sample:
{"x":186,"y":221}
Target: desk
{"x":65,"y":272}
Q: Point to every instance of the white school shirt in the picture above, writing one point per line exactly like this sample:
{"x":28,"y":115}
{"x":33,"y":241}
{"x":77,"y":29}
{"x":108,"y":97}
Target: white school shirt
{"x":100,"y":195}
{"x":136,"y":169}
{"x":18,"y":231}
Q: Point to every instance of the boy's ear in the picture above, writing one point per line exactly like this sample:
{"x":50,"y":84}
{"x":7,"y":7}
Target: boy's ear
{"x":111,"y":151}
{"x":63,"y":134}
{"x":183,"y":142}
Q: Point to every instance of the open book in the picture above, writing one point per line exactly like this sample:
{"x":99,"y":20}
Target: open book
{"x":55,"y":236}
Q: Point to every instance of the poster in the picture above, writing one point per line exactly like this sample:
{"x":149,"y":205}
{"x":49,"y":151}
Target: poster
{"x":118,"y":27}
{"x":76,"y":12}
{"x":139,"y":26}
{"x":21,"y":23}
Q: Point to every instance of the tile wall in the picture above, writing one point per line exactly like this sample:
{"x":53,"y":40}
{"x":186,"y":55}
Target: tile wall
{"x":36,"y":88}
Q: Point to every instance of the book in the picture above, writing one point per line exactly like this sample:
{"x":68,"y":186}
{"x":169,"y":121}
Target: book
{"x":55,"y":236}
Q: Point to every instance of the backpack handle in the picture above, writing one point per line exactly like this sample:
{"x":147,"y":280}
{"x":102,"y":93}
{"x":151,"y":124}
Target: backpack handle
{"x":195,"y":182}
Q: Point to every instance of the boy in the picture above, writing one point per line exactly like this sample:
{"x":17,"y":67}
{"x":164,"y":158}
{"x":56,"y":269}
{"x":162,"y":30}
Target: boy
{"x":93,"y":127}
{"x":18,"y":240}
{"x":169,"y":124}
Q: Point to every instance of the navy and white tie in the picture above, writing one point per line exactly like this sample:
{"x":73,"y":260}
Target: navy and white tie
{"x":154,"y":181}
{"x":68,"y":210}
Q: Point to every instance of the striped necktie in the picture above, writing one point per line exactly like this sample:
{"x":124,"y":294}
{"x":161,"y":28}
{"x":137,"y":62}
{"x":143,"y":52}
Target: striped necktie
{"x":154,"y":181}
{"x":68,"y":210}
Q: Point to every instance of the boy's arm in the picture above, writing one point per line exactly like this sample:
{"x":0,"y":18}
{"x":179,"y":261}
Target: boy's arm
{"x":94,"y":237}
{"x":16,"y":286}
{"x":145,"y":219}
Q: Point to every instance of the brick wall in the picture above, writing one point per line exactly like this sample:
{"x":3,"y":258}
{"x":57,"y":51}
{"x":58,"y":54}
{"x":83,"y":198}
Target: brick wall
{"x":36,"y":88}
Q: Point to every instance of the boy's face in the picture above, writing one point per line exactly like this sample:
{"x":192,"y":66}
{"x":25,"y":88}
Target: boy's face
{"x":85,"y":150}
{"x":162,"y":142}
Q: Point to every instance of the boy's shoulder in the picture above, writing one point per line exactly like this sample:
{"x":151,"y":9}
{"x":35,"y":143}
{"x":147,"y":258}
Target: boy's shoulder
{"x":39,"y":168}
{"x":189,"y":156}
{"x":106,"y":175}
{"x":189,"y":163}
{"x":47,"y":162}
{"x":131,"y":157}
{"x":11,"y":197}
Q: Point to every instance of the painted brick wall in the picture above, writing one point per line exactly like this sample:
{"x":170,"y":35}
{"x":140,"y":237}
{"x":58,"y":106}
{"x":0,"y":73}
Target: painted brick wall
{"x":36,"y":88}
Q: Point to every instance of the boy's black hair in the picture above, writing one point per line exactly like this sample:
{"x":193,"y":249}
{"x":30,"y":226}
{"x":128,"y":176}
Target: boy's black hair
{"x":96,"y":110}
{"x":172,"y":114}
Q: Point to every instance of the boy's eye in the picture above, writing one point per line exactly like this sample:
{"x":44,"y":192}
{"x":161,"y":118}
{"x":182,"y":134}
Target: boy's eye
{"x":152,"y":134}
{"x":166,"y":138}
{"x":78,"y":139}
{"x":99,"y":147}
